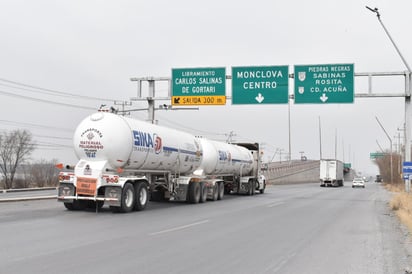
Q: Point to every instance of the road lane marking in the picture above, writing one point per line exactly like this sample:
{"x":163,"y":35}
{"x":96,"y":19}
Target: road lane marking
{"x":178,"y":228}
{"x":275,"y":204}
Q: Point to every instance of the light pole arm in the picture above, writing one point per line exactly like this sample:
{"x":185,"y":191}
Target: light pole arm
{"x":375,"y":10}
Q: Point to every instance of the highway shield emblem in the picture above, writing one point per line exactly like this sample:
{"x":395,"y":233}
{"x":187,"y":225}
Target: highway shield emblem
{"x":302,"y":76}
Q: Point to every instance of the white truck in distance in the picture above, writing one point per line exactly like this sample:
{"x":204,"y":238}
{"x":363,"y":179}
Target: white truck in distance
{"x":331,"y":172}
{"x":125,"y":162}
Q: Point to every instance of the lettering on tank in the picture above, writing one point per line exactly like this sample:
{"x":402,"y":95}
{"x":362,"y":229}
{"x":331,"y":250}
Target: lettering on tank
{"x":90,"y":142}
{"x":147,"y":142}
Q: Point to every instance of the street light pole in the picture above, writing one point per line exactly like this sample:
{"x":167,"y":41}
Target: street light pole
{"x":408,"y":91}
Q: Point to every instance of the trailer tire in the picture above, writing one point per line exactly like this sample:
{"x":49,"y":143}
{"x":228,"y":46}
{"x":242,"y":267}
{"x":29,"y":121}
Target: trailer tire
{"x":76,"y":205}
{"x":255,"y":185}
{"x":215,"y":193}
{"x":127,"y":200}
{"x":263,"y":189}
{"x":203,"y":192}
{"x":251,"y":187}
{"x":95,"y":204}
{"x":221,"y":192}
{"x":194,"y":193}
{"x":142,"y":196}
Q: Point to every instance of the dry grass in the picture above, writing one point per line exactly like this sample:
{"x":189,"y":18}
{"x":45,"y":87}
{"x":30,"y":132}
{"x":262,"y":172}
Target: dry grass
{"x":401,"y":203}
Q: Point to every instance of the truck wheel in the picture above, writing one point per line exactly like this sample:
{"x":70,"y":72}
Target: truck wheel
{"x":221,"y":192}
{"x":194,"y":193}
{"x":95,"y":204}
{"x":227,"y":190}
{"x":76,"y":205}
{"x":141,"y":196}
{"x":215,"y":193}
{"x":251,"y":187}
{"x":127,"y":199}
{"x":203,"y":193}
{"x":263,"y":189}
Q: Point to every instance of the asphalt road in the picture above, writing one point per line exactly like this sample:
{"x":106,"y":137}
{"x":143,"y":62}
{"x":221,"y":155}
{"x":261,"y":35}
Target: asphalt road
{"x":289,"y":229}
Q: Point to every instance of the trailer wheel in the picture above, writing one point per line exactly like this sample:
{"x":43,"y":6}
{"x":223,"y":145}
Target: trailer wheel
{"x":141,"y":196}
{"x":215,"y":193}
{"x":203,"y":192}
{"x":127,"y":200}
{"x":250,"y":187}
{"x":95,"y":204}
{"x":263,"y":189}
{"x":76,"y":205}
{"x":221,"y":192}
{"x":255,"y":185}
{"x":194,"y":193}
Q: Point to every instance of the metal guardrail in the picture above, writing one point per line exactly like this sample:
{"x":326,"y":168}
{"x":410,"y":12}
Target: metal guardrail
{"x":26,"y":189}
{"x":3,"y":195}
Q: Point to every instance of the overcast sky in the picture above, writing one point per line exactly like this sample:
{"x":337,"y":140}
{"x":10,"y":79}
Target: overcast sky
{"x":80,"y":54}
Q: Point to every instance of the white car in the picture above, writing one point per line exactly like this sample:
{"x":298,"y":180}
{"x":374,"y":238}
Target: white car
{"x":358,"y":182}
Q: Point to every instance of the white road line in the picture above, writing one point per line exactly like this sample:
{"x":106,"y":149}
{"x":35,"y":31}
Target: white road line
{"x":178,"y":228}
{"x":275,"y":204}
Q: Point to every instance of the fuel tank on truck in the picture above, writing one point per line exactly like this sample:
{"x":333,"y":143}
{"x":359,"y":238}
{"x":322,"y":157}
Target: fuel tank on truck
{"x":224,"y":158}
{"x":129,"y":143}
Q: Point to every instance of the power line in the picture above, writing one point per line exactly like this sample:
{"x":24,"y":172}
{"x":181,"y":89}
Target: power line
{"x":33,"y":125}
{"x":51,"y":91}
{"x":43,"y":100}
{"x":53,"y":137}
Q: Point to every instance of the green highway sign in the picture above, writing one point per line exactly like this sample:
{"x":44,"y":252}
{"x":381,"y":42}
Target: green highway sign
{"x":199,"y":86}
{"x":260,"y":85}
{"x":375,"y":155}
{"x":324,"y":84}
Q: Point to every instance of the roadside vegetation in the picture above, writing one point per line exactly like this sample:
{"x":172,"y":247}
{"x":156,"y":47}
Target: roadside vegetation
{"x":16,"y":171}
{"x":401,"y":201}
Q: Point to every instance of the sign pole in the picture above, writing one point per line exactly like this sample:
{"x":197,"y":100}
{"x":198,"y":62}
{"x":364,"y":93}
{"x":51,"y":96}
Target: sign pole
{"x":408,"y":114}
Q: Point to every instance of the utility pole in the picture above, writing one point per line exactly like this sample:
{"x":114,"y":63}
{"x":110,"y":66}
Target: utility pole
{"x":390,"y":141}
{"x":151,"y":98}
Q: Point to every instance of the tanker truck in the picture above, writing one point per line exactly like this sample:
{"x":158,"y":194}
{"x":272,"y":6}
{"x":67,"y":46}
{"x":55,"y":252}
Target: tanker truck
{"x":125,"y":162}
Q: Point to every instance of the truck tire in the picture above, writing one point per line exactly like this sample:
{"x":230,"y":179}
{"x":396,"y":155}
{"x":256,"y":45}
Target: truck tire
{"x":215,"y":193}
{"x":263,"y":189}
{"x":142,"y":196}
{"x":95,"y":205}
{"x":203,"y":192}
{"x":251,"y":188}
{"x":76,"y":205}
{"x":156,"y":195}
{"x":127,"y":200}
{"x":221,"y":192}
{"x":194,"y":193}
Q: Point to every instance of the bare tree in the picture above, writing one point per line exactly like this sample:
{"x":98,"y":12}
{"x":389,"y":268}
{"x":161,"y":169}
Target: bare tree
{"x":43,"y":173}
{"x":15,"y":148}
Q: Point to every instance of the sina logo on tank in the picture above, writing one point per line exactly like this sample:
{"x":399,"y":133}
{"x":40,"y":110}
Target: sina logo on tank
{"x":145,"y":141}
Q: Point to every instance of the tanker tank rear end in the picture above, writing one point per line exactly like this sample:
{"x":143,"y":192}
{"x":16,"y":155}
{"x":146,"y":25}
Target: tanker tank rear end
{"x":135,"y":145}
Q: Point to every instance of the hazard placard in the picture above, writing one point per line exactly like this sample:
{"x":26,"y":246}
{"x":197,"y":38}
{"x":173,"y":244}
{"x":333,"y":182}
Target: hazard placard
{"x":86,"y":186}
